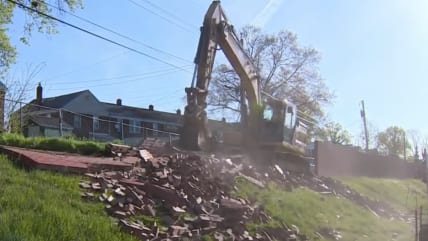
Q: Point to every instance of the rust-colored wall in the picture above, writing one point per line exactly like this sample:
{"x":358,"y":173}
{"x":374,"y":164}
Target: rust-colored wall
{"x":338,"y":160}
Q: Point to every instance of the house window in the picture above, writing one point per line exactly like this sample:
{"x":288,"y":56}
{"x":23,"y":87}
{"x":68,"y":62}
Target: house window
{"x":96,"y":122}
{"x":134,"y":126}
{"x":155,"y":128}
{"x":77,"y":121}
{"x":171,"y":128}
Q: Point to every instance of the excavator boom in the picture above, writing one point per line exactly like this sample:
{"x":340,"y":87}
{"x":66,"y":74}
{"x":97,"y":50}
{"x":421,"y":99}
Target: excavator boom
{"x":257,"y":131}
{"x":216,"y":31}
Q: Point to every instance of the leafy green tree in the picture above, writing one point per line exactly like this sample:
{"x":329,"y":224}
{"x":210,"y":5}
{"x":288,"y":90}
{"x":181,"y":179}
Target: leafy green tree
{"x":335,"y":133}
{"x":33,"y":22}
{"x":393,"y":141}
{"x":286,"y":70}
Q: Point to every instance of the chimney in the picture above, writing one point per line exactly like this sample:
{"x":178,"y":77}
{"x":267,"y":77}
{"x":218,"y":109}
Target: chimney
{"x":178,"y":112}
{"x":119,"y":102}
{"x":151,"y":107}
{"x":39,"y":93}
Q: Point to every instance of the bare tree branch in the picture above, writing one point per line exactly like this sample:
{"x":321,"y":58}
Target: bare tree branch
{"x":18,"y":87}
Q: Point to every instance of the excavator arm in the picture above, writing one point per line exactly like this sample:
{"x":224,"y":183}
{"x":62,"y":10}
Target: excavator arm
{"x":216,"y":31}
{"x":255,"y":128}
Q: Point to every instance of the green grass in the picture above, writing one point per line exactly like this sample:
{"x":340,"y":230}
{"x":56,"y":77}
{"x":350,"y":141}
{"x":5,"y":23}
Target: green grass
{"x":400,"y":194}
{"x":63,"y":144}
{"x":311,"y":211}
{"x":45,"y":206}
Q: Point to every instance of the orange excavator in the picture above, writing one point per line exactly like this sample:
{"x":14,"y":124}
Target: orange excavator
{"x":262,"y":127}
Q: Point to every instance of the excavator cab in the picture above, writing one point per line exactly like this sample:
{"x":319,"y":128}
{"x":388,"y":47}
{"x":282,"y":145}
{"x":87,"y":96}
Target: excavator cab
{"x":280,"y":124}
{"x":273,"y":124}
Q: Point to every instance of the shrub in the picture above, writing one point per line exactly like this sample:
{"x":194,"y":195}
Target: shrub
{"x":88,"y":148}
{"x":63,"y":144}
{"x":56,"y":144}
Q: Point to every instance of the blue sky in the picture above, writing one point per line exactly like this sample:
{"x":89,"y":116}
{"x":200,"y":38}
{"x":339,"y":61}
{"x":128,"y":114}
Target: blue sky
{"x":371,"y":50}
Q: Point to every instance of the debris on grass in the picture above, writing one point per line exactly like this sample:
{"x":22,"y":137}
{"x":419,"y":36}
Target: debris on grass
{"x":192,"y":195}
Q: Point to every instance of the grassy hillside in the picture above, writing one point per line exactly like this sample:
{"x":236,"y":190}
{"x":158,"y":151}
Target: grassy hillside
{"x":403,"y":195}
{"x":313,"y":212}
{"x":44,"y":206}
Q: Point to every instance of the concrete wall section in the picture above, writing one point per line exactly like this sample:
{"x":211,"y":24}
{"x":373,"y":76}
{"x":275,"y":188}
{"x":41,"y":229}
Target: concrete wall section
{"x":338,"y":160}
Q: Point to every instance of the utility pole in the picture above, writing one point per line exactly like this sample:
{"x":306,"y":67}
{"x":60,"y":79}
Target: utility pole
{"x":20,"y":119}
{"x":366,"y":133}
{"x":404,"y":138}
{"x":60,"y":122}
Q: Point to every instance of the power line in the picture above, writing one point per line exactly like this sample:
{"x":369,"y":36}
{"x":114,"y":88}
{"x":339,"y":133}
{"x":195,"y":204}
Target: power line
{"x":95,"y":35}
{"x":90,"y":65}
{"x":196,"y":2}
{"x":170,"y":14}
{"x":160,"y":91}
{"x":163,"y":17}
{"x":120,"y":77}
{"x":163,"y":97}
{"x":119,"y":82}
{"x":119,"y":34}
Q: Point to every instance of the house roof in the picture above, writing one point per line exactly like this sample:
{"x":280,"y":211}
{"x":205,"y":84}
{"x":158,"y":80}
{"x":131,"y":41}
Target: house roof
{"x":136,"y":112}
{"x":61,"y":100}
{"x":112,"y":109}
{"x":50,"y":122}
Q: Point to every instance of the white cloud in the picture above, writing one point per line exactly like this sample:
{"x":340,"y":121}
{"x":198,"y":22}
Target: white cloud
{"x":264,"y":16}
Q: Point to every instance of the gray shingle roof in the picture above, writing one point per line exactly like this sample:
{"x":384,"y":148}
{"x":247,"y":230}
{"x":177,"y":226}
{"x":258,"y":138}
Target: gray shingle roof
{"x":62,"y":100}
{"x":136,"y":112}
{"x":113,"y":109}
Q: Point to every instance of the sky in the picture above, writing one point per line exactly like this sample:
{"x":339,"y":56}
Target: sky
{"x":371,"y":50}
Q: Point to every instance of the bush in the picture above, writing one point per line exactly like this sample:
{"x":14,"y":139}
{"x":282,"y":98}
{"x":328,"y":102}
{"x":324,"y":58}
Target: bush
{"x":63,"y":144}
{"x":88,"y":148}
{"x":56,"y":144}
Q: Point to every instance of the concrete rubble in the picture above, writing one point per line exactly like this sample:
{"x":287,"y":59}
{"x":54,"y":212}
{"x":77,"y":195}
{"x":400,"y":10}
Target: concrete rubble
{"x":183,"y":196}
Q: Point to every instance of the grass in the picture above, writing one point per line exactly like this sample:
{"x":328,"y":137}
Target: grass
{"x":311,"y":211}
{"x":45,"y":206}
{"x":400,"y":194}
{"x":63,"y":144}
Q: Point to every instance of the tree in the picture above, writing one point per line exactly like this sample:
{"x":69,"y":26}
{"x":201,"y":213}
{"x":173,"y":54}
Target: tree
{"x":415,"y":138}
{"x":424,"y":141}
{"x":373,"y":131}
{"x":393,"y":141}
{"x":34,"y":21}
{"x":285,"y":69}
{"x":18,"y":87}
{"x":335,"y":133}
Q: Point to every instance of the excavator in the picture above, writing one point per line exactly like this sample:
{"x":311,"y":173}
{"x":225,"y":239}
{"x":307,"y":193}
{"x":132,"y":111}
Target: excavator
{"x":262,"y":130}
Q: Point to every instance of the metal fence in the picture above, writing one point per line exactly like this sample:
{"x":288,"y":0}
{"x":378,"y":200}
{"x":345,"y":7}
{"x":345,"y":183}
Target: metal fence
{"x":421,"y":224}
{"x":32,"y":119}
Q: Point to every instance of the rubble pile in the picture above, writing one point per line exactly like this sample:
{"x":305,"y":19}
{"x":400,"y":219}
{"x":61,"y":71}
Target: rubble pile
{"x":186,"y":196}
{"x":181,"y":196}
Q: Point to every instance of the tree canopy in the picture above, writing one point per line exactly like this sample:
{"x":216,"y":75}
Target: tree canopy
{"x":285,"y":69}
{"x":393,"y":141}
{"x":335,"y":133}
